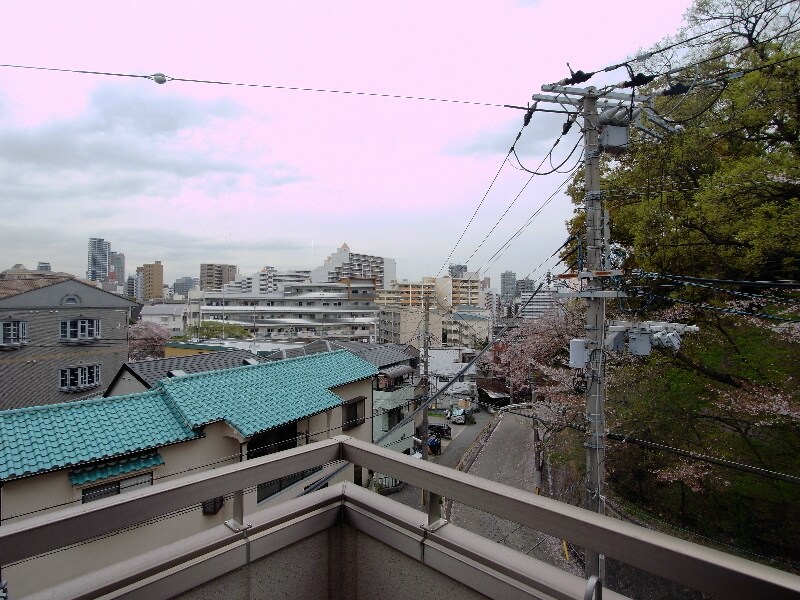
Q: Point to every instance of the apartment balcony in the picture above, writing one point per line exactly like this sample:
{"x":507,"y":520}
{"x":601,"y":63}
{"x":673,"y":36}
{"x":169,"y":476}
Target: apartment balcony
{"x":347,"y":542}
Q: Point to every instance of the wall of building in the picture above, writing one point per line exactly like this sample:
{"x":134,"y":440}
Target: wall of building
{"x":30,"y":374}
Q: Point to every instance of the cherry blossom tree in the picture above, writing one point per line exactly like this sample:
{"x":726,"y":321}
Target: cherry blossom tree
{"x":146,"y":340}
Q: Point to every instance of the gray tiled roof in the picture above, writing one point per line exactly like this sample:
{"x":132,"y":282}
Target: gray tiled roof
{"x":150,"y":371}
{"x":12,"y":287}
{"x":380,"y":355}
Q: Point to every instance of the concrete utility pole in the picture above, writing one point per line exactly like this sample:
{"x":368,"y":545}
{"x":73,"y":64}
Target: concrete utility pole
{"x":425,"y":345}
{"x":591,"y":287}
{"x":603,"y":132}
{"x":595,"y":323}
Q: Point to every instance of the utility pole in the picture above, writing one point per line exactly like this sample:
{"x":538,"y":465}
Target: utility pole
{"x":591,"y":289}
{"x":595,"y":324}
{"x":425,"y":345}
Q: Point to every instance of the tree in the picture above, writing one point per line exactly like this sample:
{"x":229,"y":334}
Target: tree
{"x":720,"y":198}
{"x":146,"y":340}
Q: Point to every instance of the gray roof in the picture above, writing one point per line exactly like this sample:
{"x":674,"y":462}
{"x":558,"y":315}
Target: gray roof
{"x":380,"y":355}
{"x":150,"y":371}
{"x":174,"y":310}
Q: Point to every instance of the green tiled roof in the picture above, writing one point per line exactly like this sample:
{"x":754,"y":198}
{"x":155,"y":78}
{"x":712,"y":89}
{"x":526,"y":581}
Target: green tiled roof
{"x":114,"y":468}
{"x":251,"y":399}
{"x":55,"y":436}
{"x":255,"y":398}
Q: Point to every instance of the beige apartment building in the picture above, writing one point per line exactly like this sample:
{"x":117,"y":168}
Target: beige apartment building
{"x":152,"y":280}
{"x":446,"y":292}
{"x":213,"y":276}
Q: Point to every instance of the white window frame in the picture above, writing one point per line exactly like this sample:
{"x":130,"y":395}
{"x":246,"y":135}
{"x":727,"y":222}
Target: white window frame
{"x":83,"y":377}
{"x":80,"y":330}
{"x":13,"y":333}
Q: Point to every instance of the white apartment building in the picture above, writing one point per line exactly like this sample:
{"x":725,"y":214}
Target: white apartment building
{"x":343,"y":311}
{"x":344,"y":264}
{"x":534,"y":307}
{"x":268,"y":279}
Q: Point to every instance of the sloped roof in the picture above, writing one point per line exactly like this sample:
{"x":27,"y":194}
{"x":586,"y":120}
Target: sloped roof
{"x":380,"y":355}
{"x":251,"y":399}
{"x":43,"y":438}
{"x":13,"y":287}
{"x":151,"y":371}
{"x":255,"y":398}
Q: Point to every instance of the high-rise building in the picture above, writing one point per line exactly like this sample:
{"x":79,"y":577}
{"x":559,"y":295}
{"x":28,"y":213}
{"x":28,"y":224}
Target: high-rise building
{"x":152,"y":278}
{"x":344,"y":264}
{"x":44,"y":267}
{"x":116,"y":267}
{"x":526,"y":286}
{"x":131,"y":289}
{"x":97,"y":259}
{"x":183,"y":285}
{"x":213,"y":276}
{"x":457,"y":271}
{"x":508,"y":287}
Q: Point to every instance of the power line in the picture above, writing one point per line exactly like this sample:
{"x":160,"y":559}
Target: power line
{"x":730,"y":311}
{"x":161,"y":78}
{"x":745,"y":468}
{"x":583,"y":77}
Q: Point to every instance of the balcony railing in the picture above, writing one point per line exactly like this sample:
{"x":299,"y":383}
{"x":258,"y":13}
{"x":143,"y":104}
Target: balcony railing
{"x":437,"y":549}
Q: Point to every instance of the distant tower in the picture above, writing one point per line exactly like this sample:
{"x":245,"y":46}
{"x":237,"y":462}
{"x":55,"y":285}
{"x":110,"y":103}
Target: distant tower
{"x":457,"y":271}
{"x":214,"y":275}
{"x":152,"y":280}
{"x":508,"y":287}
{"x":44,"y":266}
{"x":116,"y":267}
{"x":97,"y":259}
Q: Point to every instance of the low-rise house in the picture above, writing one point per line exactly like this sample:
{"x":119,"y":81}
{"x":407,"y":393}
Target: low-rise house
{"x":172,"y":317}
{"x":78,"y":452}
{"x":60,"y":339}
{"x":394,"y":388}
{"x":141,"y":375}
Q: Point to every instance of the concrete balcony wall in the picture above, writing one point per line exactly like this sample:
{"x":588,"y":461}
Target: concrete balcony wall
{"x":340,"y":562}
{"x":347,"y":542}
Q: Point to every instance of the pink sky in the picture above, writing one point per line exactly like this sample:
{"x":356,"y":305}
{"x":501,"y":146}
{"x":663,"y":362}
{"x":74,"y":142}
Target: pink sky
{"x":188,"y":173}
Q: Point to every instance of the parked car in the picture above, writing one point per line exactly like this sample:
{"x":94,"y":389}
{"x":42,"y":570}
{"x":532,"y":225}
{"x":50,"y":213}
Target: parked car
{"x":441,"y":430}
{"x":458,"y":416}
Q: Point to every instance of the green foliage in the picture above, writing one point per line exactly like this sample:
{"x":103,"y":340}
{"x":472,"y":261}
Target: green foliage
{"x":722,"y":197}
{"x":660,"y":399}
{"x":215,"y":329}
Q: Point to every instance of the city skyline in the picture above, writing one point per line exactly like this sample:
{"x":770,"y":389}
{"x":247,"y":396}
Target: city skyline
{"x":188,"y":173}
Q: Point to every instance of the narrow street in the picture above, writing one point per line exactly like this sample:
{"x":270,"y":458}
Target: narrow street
{"x":506,"y":457}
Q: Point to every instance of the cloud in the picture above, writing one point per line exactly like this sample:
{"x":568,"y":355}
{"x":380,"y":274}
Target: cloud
{"x":536,"y":139}
{"x":127,"y":143}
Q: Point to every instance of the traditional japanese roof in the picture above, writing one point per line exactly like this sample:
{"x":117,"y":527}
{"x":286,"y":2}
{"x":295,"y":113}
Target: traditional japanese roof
{"x":250,"y":399}
{"x":380,"y":355}
{"x":55,"y":436}
{"x":255,"y":398}
{"x":151,"y":371}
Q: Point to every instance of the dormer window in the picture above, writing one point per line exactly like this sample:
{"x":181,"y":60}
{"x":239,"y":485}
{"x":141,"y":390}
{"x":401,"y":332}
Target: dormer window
{"x":80,"y":330}
{"x":13,"y":334}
